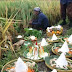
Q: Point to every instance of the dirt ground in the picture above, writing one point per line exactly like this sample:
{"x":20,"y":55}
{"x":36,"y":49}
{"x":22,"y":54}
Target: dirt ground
{"x":42,"y":67}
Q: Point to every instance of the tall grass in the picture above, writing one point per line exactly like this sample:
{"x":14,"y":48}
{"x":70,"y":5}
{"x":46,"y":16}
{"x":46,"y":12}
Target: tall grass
{"x":51,"y":8}
{"x":4,"y":31}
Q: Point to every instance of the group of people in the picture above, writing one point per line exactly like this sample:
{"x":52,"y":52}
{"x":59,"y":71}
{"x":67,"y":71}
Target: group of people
{"x":40,"y":21}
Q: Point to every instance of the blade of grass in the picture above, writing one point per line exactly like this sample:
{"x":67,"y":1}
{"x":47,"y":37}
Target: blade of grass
{"x":0,"y":52}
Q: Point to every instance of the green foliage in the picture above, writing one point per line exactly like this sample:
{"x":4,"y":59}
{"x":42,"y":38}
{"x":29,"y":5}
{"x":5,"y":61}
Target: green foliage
{"x":60,"y":21}
{"x":34,"y":32}
{"x":69,"y":32}
{"x":17,"y":28}
{"x":7,"y":56}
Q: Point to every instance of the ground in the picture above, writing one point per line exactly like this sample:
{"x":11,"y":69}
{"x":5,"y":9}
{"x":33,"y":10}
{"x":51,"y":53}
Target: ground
{"x":42,"y":67}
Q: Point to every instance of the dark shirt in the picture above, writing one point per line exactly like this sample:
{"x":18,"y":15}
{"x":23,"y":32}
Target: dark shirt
{"x":41,"y":21}
{"x":65,"y":1}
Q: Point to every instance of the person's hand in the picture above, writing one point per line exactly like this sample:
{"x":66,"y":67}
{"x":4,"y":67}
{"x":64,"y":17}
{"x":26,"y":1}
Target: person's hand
{"x":30,"y":22}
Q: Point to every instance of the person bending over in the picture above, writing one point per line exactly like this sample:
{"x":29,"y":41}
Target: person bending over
{"x":39,"y":21}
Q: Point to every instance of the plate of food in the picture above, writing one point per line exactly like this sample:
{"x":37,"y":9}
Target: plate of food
{"x":60,"y":63}
{"x":20,"y":65}
{"x":58,"y":48}
{"x":68,"y":39}
{"x":36,"y":53}
{"x":54,"y":39}
{"x":54,"y":30}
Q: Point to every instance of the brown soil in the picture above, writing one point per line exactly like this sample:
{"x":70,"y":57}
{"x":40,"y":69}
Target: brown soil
{"x":42,"y":67}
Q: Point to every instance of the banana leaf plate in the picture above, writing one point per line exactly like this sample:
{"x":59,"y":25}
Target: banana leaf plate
{"x":47,"y":62}
{"x":54,"y":41}
{"x":57,"y":46}
{"x":66,"y":39}
{"x":36,"y":60}
{"x":10,"y":65}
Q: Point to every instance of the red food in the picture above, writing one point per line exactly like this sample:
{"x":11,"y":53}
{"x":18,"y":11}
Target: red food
{"x":56,"y":50}
{"x":30,"y":70}
{"x":8,"y":68}
{"x":70,"y":52}
{"x":12,"y":67}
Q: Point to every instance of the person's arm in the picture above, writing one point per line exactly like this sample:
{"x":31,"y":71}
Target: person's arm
{"x":38,"y":22}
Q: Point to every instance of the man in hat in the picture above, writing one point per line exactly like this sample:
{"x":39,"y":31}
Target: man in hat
{"x":40,"y":21}
{"x":64,"y":4}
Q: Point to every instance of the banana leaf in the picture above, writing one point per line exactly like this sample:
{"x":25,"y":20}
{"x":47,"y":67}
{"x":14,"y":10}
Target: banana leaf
{"x":34,"y":32}
{"x":47,"y":62}
{"x":46,"y":49}
{"x":60,"y":45}
{"x":47,"y":59}
{"x":12,"y":63}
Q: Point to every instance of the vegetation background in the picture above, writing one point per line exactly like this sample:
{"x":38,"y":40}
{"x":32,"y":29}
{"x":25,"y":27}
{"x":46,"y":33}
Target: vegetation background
{"x":51,"y":8}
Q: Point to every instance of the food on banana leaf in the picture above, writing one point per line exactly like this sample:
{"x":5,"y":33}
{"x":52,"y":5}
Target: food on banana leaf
{"x":33,"y":38}
{"x":59,"y":63}
{"x":53,"y":39}
{"x":19,"y":36}
{"x":42,"y":54}
{"x":43,"y":42}
{"x":21,"y":66}
{"x":55,"y":30}
{"x":36,"y":53}
{"x":68,"y":39}
{"x":65,"y":48}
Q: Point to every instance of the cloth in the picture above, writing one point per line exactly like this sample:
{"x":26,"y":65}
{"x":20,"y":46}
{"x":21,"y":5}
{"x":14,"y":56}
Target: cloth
{"x":65,"y":1}
{"x":69,"y":11}
{"x":67,"y":7}
{"x":37,"y":9}
{"x":41,"y":22}
{"x":63,"y":11}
